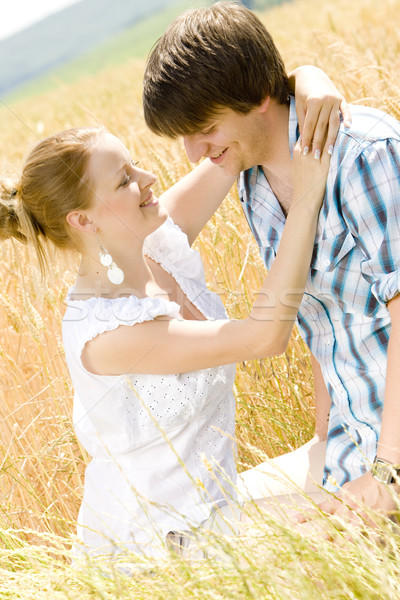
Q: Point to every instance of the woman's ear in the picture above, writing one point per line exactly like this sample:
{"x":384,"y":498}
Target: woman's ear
{"x":80,"y":221}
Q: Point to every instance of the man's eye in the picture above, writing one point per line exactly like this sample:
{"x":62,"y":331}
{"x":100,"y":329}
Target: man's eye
{"x":208,"y":130}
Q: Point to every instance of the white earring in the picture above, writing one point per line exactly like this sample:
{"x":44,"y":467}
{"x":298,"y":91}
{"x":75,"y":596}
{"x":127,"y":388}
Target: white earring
{"x":114,"y":273}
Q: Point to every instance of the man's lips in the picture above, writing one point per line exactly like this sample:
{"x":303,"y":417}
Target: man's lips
{"x":218,"y":158}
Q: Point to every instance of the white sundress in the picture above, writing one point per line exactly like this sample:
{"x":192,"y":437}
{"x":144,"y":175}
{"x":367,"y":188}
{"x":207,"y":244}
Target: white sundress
{"x":162,"y":446}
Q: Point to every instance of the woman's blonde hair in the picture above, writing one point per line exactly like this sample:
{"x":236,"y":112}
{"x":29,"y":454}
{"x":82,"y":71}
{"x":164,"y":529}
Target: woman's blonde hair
{"x":53,"y":183}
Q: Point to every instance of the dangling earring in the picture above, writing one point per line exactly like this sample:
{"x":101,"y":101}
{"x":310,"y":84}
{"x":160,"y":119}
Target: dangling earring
{"x":114,"y":273}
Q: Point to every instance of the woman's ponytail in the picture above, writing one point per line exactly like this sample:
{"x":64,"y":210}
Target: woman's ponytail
{"x":53,"y":182}
{"x":10,"y":225}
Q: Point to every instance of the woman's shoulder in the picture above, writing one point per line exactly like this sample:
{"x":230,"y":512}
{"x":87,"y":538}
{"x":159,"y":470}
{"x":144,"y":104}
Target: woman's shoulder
{"x":92,"y":316}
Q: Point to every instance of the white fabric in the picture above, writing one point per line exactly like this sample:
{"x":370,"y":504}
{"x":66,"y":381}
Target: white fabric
{"x":299,"y":470}
{"x":149,"y":434}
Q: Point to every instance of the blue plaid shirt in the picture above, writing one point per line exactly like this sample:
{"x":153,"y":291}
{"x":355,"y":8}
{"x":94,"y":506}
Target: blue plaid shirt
{"x":344,"y":318}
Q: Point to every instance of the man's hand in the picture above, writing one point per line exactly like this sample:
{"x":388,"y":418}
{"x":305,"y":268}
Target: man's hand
{"x":357,"y":500}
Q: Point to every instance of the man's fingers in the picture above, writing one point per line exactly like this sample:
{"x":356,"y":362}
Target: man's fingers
{"x":312,"y":513}
{"x":330,"y":507}
{"x":305,"y":516}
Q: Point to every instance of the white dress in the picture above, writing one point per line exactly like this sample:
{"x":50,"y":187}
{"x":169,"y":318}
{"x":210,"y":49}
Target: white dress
{"x":162,"y":446}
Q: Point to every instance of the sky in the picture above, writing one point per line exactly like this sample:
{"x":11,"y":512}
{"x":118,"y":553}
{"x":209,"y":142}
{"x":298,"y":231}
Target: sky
{"x":19,"y":14}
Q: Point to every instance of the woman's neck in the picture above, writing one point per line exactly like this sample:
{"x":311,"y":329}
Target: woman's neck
{"x":92,"y":279}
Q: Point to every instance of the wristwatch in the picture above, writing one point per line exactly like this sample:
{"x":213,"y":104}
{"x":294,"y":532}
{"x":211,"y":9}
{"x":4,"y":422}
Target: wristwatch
{"x":385,"y":471}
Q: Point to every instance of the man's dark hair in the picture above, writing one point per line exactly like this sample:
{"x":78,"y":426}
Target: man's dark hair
{"x":210,"y":58}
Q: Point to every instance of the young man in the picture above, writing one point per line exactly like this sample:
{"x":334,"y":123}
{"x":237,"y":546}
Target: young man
{"x":217,"y":79}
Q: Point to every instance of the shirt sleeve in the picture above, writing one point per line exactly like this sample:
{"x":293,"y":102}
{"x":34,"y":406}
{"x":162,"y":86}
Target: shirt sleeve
{"x":371,"y":207}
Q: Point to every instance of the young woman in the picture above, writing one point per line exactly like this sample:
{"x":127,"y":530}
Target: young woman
{"x":150,"y":350}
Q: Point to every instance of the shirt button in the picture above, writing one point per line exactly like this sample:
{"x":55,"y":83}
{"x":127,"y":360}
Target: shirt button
{"x":327,"y":341}
{"x":327,"y":262}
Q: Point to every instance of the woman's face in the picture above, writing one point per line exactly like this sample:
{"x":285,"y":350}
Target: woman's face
{"x":124,"y":208}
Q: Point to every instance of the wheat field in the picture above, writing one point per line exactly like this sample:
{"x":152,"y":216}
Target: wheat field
{"x":42,"y":463}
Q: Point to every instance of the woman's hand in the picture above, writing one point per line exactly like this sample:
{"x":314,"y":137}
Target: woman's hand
{"x":309,"y":176}
{"x":318,"y":103}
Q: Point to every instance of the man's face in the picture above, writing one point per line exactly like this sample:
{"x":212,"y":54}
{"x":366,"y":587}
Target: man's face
{"x":231,"y":140}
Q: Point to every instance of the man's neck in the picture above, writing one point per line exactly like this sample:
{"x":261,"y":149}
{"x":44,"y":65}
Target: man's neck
{"x":277,"y":160}
{"x":282,"y":186}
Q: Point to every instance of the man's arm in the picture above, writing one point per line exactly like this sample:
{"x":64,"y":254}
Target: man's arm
{"x":389,"y":440}
{"x":367,"y":208}
{"x":366,"y":490}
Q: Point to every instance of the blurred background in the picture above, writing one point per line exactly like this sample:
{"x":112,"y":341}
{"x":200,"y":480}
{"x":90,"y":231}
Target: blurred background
{"x":46,"y":42}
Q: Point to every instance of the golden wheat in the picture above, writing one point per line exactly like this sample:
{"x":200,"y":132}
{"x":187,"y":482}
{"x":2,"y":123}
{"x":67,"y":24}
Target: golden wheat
{"x":42,"y":463}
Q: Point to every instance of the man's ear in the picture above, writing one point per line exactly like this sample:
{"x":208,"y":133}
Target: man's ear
{"x":80,"y":221}
{"x":263,"y":107}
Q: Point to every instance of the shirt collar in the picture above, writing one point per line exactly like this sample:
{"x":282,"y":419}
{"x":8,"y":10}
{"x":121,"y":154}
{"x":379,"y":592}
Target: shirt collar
{"x":294,"y":131}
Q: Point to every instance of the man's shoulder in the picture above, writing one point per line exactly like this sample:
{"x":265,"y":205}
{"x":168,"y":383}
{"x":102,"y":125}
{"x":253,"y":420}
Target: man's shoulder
{"x":369,"y":125}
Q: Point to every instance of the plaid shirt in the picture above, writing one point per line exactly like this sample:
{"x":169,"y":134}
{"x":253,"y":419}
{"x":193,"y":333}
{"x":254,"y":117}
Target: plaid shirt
{"x":344,"y":318}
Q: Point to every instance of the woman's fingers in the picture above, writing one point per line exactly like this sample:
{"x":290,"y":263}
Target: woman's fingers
{"x":334,"y":123}
{"x":313,"y":108}
{"x":326,"y":128}
{"x":333,"y":128}
{"x":346,"y":113}
{"x":321,"y":124}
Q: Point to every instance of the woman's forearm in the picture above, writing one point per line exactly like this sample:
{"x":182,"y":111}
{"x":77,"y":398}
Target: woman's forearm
{"x":278,"y":301}
{"x":282,"y":292}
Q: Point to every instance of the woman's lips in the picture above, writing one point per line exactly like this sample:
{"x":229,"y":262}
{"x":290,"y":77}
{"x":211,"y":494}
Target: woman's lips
{"x":150,"y":200}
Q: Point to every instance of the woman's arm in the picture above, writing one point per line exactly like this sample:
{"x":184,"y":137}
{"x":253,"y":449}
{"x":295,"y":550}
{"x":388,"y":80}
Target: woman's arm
{"x":178,"y":346}
{"x":194,"y":199}
{"x":318,"y":103}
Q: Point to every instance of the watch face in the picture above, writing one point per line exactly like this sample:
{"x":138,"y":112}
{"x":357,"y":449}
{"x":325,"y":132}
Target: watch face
{"x":383,"y":472}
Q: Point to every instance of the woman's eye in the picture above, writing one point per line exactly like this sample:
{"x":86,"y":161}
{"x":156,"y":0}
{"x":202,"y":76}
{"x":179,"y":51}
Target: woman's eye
{"x":128,"y":175}
{"x":125,"y":181}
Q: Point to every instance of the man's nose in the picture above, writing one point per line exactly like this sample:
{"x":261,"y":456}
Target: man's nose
{"x":195,"y":147}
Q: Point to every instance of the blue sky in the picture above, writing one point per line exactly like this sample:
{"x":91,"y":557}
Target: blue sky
{"x":19,"y":14}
